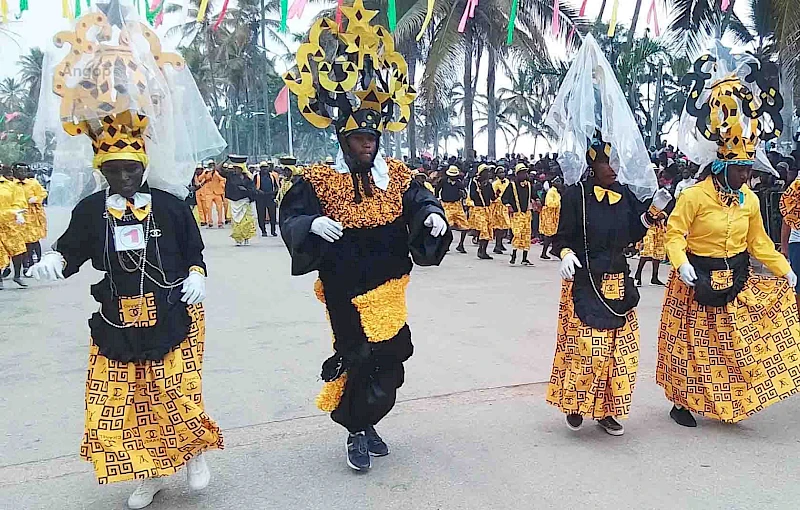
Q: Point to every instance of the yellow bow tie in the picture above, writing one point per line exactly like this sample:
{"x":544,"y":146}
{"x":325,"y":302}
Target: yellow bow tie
{"x":140,"y":213}
{"x":613,"y":196}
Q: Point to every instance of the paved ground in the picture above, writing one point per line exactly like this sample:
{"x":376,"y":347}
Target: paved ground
{"x":472,"y":430}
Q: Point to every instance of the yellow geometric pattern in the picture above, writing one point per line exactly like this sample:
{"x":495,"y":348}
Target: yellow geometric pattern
{"x":594,"y":371}
{"x":653,"y":243}
{"x":480,"y":222}
{"x":383,"y":309}
{"x":138,"y":310}
{"x":521,"y":227}
{"x":790,"y":205}
{"x":456,"y":217}
{"x":499,"y":216}
{"x":146,"y":420}
{"x":548,"y":218}
{"x":731,"y":362}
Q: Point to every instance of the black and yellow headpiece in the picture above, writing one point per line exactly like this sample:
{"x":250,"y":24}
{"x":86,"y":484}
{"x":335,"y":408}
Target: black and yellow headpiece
{"x":598,"y":147}
{"x":352,"y":78}
{"x":738,"y":113}
{"x":102,"y":104}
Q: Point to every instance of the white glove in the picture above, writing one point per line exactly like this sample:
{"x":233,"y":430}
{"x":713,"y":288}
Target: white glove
{"x":20,"y":218}
{"x":327,"y":229}
{"x":51,"y":267}
{"x":791,"y":278}
{"x":687,"y":274}
{"x":661,"y":199}
{"x":437,"y":224}
{"x":32,"y":200}
{"x":194,"y":288}
{"x":568,"y":265}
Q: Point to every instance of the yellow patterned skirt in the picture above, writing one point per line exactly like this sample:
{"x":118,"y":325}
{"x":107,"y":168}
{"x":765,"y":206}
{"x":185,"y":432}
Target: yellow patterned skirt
{"x":244,"y":225}
{"x":146,"y":420}
{"x":730,"y":362}
{"x":479,"y":221}
{"x":455,"y":215}
{"x":653,"y":243}
{"x":499,"y":216}
{"x":594,"y":371}
{"x":521,"y":227}
{"x":548,"y":221}
{"x":12,"y":243}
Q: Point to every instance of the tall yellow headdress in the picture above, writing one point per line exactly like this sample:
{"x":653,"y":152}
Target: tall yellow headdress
{"x":352,"y":78}
{"x":103,"y":86}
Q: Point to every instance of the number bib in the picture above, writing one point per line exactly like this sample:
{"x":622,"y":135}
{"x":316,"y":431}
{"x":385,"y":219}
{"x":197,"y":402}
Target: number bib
{"x":129,"y":237}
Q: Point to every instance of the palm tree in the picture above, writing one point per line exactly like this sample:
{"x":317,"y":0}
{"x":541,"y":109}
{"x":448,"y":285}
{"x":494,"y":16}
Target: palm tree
{"x":692,"y":22}
{"x":31,"y":70}
{"x":12,"y":94}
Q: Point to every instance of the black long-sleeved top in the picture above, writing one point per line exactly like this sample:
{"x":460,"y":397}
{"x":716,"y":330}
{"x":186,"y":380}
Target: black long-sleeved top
{"x":523,"y":194}
{"x":266,"y":186}
{"x":451,"y":191}
{"x":175,"y":245}
{"x":610,"y":229}
{"x":482,"y":194}
{"x":237,"y":187}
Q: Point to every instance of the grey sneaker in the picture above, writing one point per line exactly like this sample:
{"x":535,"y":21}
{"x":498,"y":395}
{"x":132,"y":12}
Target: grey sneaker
{"x":376,"y":446}
{"x":612,"y":426}
{"x":574,"y":421}
{"x":358,"y":452}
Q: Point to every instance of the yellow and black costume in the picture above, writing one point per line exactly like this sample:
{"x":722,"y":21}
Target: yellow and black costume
{"x":240,"y":192}
{"x":144,"y":416}
{"x":481,"y":194}
{"x":517,"y":196}
{"x":13,"y":207}
{"x":452,"y":192}
{"x":363,"y":275}
{"x":728,"y":345}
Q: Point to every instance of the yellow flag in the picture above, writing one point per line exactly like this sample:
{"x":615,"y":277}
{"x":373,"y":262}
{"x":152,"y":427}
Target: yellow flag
{"x":4,"y":10}
{"x":612,"y":25}
{"x":66,"y":10}
{"x":426,"y":22}
{"x":201,"y":12}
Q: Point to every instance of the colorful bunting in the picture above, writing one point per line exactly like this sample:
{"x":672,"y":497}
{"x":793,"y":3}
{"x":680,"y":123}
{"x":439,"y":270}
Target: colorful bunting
{"x":339,"y":13}
{"x":512,"y":18}
{"x":4,"y":11}
{"x":284,"y":15}
{"x":581,"y":14}
{"x":556,"y":18}
{"x":469,"y":12}
{"x":77,"y":9}
{"x":23,"y":6}
{"x":652,"y":18}
{"x":297,"y":8}
{"x":221,"y":16}
{"x":392,"y":15}
{"x":428,"y":18}
{"x":201,"y":11}
{"x":725,"y":4}
{"x":612,"y":25}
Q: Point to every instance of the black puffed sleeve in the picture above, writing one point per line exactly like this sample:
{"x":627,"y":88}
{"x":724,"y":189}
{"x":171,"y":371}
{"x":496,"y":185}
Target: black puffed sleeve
{"x":418,"y":204}
{"x":77,"y":242}
{"x":299,"y":208}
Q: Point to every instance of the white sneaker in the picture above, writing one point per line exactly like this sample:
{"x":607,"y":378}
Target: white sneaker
{"x":197,"y":473}
{"x":143,"y":495}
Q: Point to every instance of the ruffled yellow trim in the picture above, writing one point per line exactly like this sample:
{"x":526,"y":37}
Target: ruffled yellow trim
{"x":319,"y":292}
{"x":331,"y":394}
{"x":335,"y":193}
{"x":383,"y":310}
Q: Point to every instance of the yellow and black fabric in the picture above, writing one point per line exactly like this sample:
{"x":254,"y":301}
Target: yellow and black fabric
{"x":594,"y":370}
{"x":362,"y":280}
{"x":356,"y":64}
{"x":653,"y":243}
{"x":451,"y":192}
{"x":147,"y":419}
{"x":518,"y":197}
{"x":500,"y":218}
{"x":548,"y":217}
{"x":480,"y":215}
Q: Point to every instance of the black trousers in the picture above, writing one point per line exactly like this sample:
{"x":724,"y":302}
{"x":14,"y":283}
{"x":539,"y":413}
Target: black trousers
{"x":262,"y":206}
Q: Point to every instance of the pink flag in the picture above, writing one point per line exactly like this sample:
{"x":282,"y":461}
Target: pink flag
{"x":296,"y":9}
{"x":282,"y":101}
{"x":582,"y":13}
{"x":11,"y":116}
{"x":469,"y":12}
{"x":154,"y":5}
{"x":652,"y":17}
{"x":556,"y":19}
{"x":725,"y":4}
{"x":221,"y":16}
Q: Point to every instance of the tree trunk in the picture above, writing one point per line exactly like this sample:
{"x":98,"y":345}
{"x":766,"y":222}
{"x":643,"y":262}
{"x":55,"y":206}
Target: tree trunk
{"x":412,"y":121}
{"x":468,"y":98}
{"x":491,"y":106}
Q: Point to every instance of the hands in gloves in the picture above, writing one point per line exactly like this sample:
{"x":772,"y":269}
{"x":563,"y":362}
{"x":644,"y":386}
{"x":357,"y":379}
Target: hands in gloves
{"x":437,"y":224}
{"x":791,"y":278}
{"x":687,"y":274}
{"x":194,"y":288}
{"x":661,"y":199}
{"x":20,"y":218}
{"x":51,"y":267}
{"x":327,"y":229}
{"x":32,"y":200}
{"x":568,"y":265}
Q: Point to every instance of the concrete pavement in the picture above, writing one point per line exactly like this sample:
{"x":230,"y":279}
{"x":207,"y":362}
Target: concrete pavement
{"x":472,"y":430}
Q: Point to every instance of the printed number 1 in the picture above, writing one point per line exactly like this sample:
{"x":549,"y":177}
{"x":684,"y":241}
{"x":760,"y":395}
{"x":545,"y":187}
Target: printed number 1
{"x":133,"y":234}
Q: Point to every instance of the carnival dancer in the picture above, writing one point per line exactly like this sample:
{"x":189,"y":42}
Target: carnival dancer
{"x":201,"y":194}
{"x":355,"y":224}
{"x":13,"y":208}
{"x":548,"y":219}
{"x":214,"y":185}
{"x":602,"y":211}
{"x":292,"y":173}
{"x":728,"y":339}
{"x":517,"y":197}
{"x":144,"y":413}
{"x":500,"y":221}
{"x":653,"y":250}
{"x":451,"y":192}
{"x":267,"y":184}
{"x":240,"y":191}
{"x":481,"y":193}
{"x":35,"y":217}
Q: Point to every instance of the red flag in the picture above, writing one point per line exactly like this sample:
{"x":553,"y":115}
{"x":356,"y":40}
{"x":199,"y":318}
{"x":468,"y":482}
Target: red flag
{"x":282,"y":101}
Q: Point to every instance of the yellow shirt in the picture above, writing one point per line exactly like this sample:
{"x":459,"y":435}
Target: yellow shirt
{"x":429,"y":186}
{"x":553,"y":199}
{"x":703,"y":226}
{"x":34,"y":189}
{"x":500,"y":186}
{"x":12,"y":200}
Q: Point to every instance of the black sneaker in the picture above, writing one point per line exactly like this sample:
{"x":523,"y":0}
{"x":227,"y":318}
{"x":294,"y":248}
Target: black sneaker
{"x":358,"y":452}
{"x":612,"y":426}
{"x":6,"y":272}
{"x":461,"y":249}
{"x":574,"y":421}
{"x":19,"y":282}
{"x":264,"y":234}
{"x":513,"y":260}
{"x":637,"y":282}
{"x":544,"y":257}
{"x":376,"y":446}
{"x":682,"y":417}
{"x":526,"y":262}
{"x":657,"y":283}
